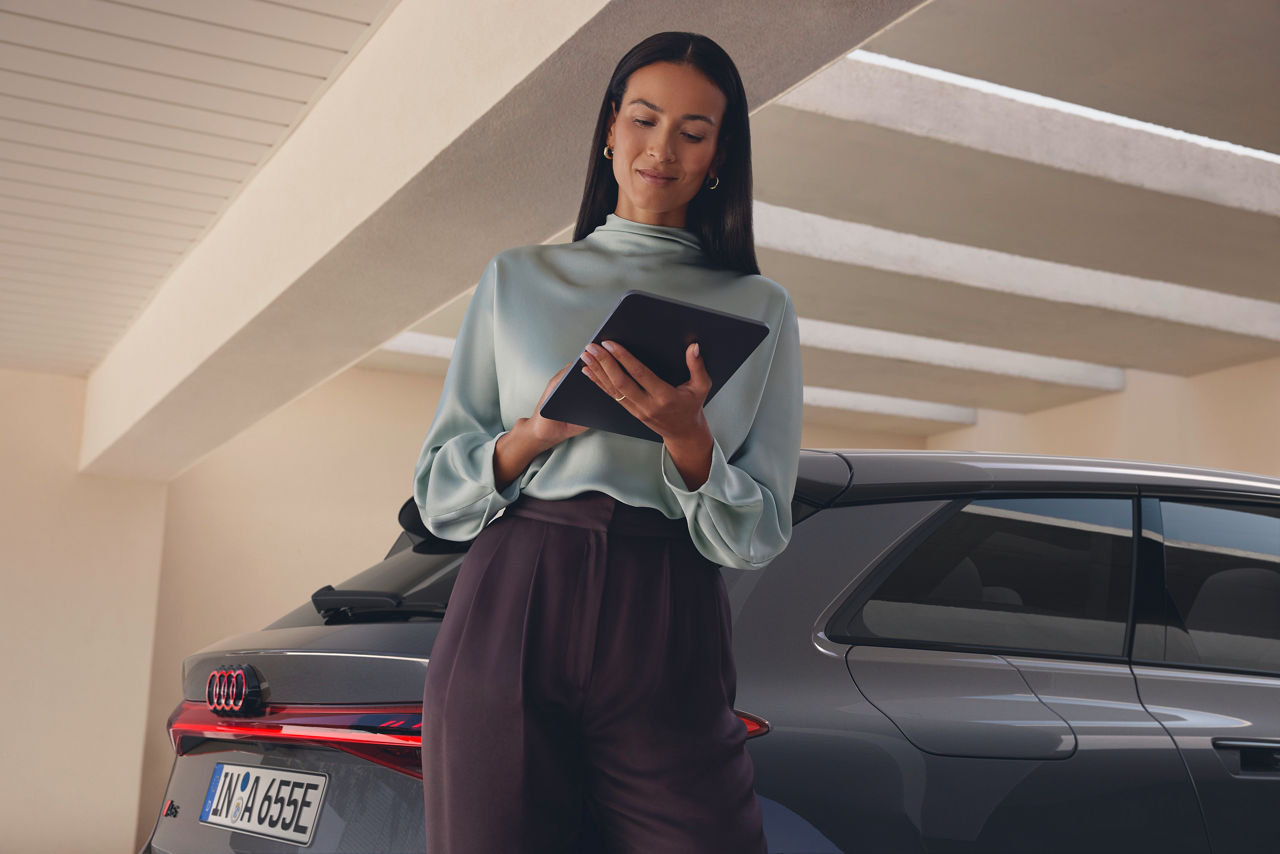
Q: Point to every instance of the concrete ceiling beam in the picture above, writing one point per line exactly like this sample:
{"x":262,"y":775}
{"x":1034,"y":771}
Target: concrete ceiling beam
{"x":1207,"y":68}
{"x":848,"y":270}
{"x":878,"y":413}
{"x":923,"y":101}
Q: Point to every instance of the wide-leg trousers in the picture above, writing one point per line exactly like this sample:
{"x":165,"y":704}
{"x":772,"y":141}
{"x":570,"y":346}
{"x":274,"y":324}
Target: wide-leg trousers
{"x":579,"y":696}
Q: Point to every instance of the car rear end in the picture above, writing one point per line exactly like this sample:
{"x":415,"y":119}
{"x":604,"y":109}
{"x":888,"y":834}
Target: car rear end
{"x":307,"y":733}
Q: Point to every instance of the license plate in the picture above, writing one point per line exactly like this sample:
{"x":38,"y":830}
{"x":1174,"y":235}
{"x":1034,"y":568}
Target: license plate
{"x":266,"y":802}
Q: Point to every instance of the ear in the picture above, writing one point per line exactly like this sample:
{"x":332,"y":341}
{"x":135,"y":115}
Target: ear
{"x":718,"y":160}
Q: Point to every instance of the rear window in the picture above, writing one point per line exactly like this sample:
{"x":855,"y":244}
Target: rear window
{"x":1040,"y":574}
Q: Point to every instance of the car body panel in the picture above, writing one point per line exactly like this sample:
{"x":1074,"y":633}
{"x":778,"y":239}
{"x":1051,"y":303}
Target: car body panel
{"x":959,"y":703}
{"x":1124,"y":765}
{"x":1238,"y":777}
{"x":360,"y":663}
{"x":837,"y":760}
{"x":820,"y":477}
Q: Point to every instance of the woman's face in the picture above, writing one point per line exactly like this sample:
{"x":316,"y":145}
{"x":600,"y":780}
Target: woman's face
{"x":667,"y":125}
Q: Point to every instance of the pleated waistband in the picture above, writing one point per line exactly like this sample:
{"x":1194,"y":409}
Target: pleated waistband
{"x":600,"y":512}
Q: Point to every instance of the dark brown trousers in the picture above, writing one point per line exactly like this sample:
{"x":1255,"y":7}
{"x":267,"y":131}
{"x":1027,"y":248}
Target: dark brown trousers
{"x":579,"y":695}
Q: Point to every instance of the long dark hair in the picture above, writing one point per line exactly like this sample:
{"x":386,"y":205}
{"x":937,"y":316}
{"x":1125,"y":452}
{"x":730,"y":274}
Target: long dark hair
{"x":721,"y":218}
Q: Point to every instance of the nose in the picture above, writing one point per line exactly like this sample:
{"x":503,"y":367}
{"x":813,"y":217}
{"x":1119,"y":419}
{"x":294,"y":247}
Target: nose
{"x":660,"y":148}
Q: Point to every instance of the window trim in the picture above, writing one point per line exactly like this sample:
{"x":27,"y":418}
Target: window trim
{"x":1016,"y":652}
{"x":1150,"y":603}
{"x":874,"y":577}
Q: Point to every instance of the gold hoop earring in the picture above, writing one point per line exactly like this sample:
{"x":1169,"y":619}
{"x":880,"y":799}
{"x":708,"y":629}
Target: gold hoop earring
{"x":715,"y":182}
{"x":608,"y":152}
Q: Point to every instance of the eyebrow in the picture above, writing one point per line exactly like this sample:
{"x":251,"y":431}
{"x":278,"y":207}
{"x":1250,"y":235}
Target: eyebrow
{"x":656,"y":108}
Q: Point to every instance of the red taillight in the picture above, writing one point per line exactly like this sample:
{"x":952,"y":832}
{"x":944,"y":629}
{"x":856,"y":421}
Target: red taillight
{"x":755,"y":725}
{"x":390,"y":736}
{"x":387,"y":735}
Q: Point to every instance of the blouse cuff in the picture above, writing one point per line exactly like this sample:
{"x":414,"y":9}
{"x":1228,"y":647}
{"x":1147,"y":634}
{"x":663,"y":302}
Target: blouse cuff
{"x":496,"y":502}
{"x":512,"y":492}
{"x":712,"y":487}
{"x":448,"y":525}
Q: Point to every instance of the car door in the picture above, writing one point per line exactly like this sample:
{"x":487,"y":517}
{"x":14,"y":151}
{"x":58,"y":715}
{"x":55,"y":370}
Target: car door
{"x":1208,"y":664}
{"x":997,"y":645}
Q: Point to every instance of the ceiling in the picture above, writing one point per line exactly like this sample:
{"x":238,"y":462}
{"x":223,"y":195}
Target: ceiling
{"x":991,"y":204}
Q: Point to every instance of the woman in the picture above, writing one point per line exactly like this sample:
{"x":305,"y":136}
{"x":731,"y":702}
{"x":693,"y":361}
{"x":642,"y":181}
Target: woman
{"x":583,"y":677}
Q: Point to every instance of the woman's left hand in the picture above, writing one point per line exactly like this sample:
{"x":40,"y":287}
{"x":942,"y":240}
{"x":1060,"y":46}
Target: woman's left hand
{"x":673,"y":412}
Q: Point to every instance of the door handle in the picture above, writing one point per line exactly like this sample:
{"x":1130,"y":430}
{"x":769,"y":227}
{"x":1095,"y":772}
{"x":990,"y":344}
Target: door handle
{"x":1256,"y":754}
{"x":1246,"y":744}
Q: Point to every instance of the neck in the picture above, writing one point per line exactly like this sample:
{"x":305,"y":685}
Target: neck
{"x":675,"y":218}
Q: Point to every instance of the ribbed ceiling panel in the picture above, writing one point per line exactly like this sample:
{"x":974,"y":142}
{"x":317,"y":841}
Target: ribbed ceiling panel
{"x":126,"y":129}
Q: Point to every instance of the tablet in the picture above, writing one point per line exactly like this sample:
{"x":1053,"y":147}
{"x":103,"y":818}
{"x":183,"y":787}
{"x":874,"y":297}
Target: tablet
{"x":656,"y":330}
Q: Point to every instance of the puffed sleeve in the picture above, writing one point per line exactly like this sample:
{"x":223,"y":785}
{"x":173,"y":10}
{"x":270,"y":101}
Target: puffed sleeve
{"x":741,"y":515}
{"x":453,"y":482}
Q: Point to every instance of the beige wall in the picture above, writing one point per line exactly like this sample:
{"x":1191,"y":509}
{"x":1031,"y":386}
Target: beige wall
{"x":80,"y":565}
{"x":1226,"y":419}
{"x":817,"y":435}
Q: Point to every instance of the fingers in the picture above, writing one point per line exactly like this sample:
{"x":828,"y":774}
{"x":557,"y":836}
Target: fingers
{"x":600,"y":379}
{"x":595,"y":372}
{"x":612,"y":376}
{"x":637,"y":371}
{"x":698,"y":376}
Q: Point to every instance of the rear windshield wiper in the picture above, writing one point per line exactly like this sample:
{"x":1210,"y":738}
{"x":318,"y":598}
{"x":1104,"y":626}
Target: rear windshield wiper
{"x":356,"y":606}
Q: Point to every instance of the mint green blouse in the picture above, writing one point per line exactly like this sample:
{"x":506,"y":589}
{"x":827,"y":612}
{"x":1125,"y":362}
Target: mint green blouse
{"x":534,"y":309}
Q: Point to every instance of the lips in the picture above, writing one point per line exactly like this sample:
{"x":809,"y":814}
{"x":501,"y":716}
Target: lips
{"x":655,"y":177}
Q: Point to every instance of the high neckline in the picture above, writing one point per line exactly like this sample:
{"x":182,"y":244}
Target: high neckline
{"x":642,"y":235}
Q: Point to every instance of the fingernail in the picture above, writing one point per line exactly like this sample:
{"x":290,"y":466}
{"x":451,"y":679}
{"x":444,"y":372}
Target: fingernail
{"x":695,"y":349}
{"x":608,"y":345}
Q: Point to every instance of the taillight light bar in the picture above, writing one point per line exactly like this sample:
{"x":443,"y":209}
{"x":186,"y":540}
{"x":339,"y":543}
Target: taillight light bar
{"x":756,"y":725}
{"x":390,"y":736}
{"x":387,"y":735}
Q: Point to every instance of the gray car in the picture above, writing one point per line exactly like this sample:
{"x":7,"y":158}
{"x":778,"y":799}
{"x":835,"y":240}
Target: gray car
{"x":958,"y":652}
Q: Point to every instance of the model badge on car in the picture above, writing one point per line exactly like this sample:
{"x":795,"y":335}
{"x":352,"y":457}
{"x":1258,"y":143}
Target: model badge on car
{"x":234,"y":691}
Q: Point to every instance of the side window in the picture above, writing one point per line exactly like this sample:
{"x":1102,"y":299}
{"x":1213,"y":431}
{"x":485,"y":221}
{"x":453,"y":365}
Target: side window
{"x":1222,"y":568}
{"x":1048,"y":574}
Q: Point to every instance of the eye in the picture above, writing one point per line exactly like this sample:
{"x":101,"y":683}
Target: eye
{"x":690,"y":136}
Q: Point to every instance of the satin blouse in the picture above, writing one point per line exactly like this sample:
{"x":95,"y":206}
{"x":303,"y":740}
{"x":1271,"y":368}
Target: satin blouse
{"x":533,"y":310}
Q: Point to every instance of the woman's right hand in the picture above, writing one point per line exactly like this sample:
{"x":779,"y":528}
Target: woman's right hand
{"x":546,"y":430}
{"x":530,"y":437}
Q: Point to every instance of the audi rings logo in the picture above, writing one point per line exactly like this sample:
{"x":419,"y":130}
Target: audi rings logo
{"x":234,"y":691}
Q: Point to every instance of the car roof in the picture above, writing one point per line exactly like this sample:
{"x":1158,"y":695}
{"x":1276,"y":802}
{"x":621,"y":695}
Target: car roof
{"x":902,"y":473}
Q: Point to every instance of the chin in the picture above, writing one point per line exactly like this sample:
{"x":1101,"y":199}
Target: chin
{"x":651,"y":199}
